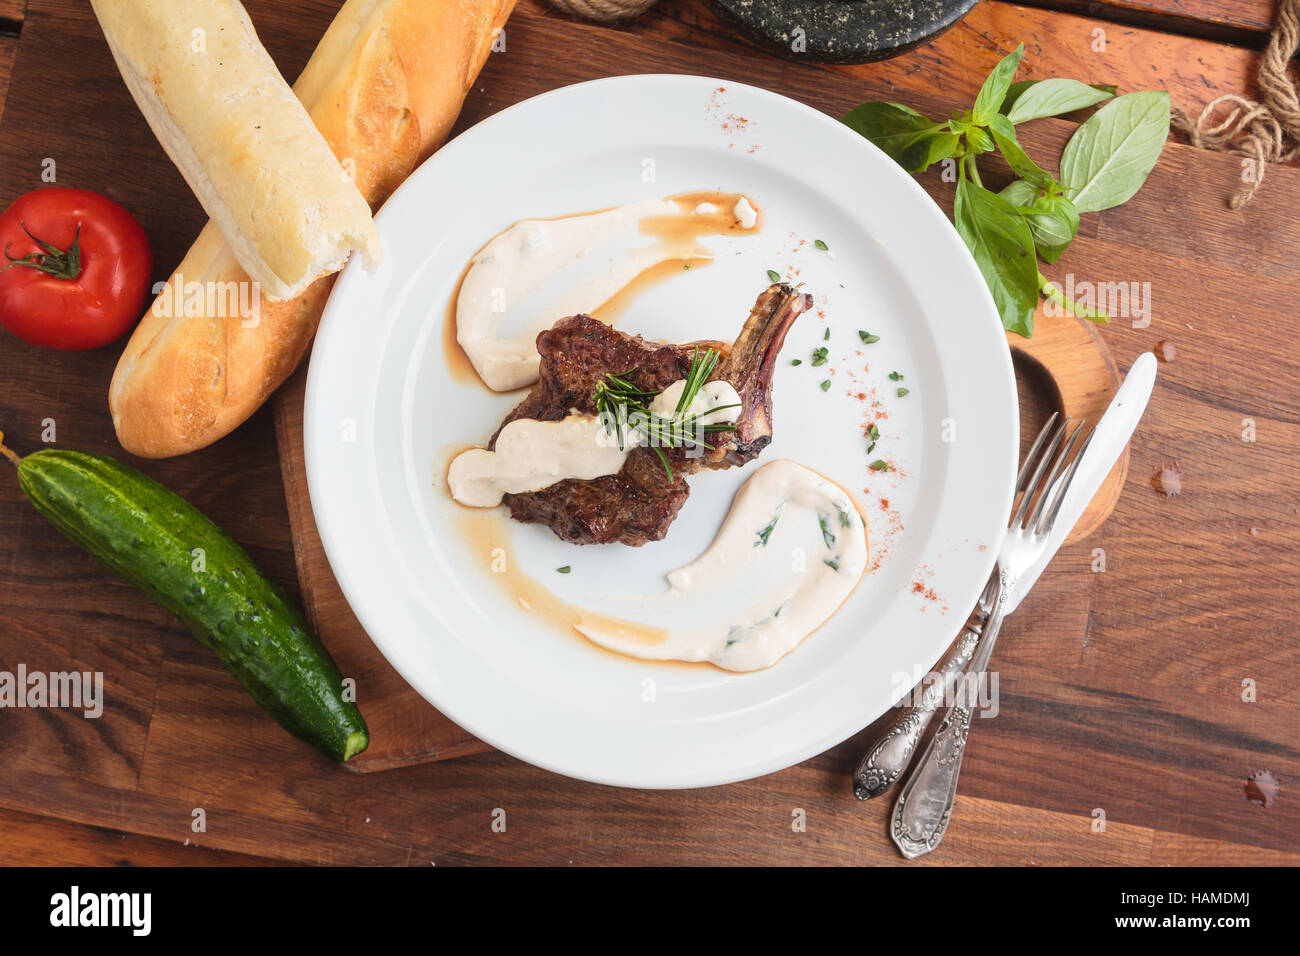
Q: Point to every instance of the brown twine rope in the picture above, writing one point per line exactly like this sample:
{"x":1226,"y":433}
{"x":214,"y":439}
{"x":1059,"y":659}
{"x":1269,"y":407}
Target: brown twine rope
{"x":603,"y":9}
{"x":1267,"y":132}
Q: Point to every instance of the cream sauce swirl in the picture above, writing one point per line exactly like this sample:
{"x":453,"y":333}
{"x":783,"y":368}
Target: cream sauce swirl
{"x":541,"y":270}
{"x":791,"y":550}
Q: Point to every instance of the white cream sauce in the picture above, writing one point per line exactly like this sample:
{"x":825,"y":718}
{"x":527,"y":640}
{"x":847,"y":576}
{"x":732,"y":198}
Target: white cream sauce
{"x":791,"y":550}
{"x":541,"y":270}
{"x":710,"y":396}
{"x":745,"y":213}
{"x":530,"y":455}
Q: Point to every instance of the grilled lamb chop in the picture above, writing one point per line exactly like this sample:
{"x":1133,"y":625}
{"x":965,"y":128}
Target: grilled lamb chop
{"x":640,"y":502}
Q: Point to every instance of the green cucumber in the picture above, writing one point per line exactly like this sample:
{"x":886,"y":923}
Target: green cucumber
{"x":168,"y":548}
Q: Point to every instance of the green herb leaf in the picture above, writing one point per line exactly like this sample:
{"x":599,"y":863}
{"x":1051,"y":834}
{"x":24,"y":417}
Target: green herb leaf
{"x":774,"y":275}
{"x":827,"y":534}
{"x":1000,"y":240}
{"x":940,"y":145}
{"x":564,"y":570}
{"x":1021,"y":193}
{"x":820,"y":355}
{"x":895,"y":376}
{"x":867,"y":337}
{"x":1053,"y":222}
{"x":1004,"y":134}
{"x":873,"y":431}
{"x":902,"y":392}
{"x":821,"y":245}
{"x":832,"y":563}
{"x":826,"y":385}
{"x":880,"y":465}
{"x":1035,"y":99}
{"x":796,"y":361}
{"x":766,"y":531}
{"x":902,"y":133}
{"x":827,"y":336}
{"x":1110,"y":156}
{"x":996,"y":86}
{"x":979,"y":140}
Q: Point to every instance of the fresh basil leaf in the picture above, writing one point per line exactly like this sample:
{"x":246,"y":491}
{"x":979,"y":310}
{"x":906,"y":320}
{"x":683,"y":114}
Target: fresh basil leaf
{"x":1110,"y":156}
{"x":995,"y":87}
{"x":1036,"y":99}
{"x":1003,"y":247}
{"x":1004,"y":134}
{"x":1020,"y":193}
{"x":979,"y":140}
{"x":942,"y":145}
{"x":1053,"y":222}
{"x":1050,"y":254}
{"x":902,"y":133}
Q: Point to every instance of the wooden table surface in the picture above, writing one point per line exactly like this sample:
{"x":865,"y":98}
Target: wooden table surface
{"x":1121,"y":691}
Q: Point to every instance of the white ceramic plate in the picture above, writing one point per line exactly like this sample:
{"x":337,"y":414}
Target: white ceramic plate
{"x":383,"y":415}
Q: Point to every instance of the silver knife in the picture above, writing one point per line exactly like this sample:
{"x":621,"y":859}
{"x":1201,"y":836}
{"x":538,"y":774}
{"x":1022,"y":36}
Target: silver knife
{"x":1108,"y":441}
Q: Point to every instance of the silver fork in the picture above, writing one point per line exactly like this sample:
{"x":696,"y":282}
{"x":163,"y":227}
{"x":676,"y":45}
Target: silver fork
{"x":891,"y":752}
{"x":924,"y":807}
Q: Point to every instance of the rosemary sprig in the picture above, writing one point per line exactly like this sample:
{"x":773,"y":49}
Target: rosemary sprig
{"x":614,"y":391}
{"x":621,"y":400}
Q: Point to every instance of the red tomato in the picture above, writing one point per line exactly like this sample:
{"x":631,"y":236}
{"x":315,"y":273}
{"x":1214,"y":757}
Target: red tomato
{"x":76,"y":269}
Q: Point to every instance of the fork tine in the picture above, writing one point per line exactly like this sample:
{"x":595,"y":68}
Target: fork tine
{"x":1049,"y":519}
{"x":1049,"y":491}
{"x":1033,"y":450}
{"x":1032,"y":485}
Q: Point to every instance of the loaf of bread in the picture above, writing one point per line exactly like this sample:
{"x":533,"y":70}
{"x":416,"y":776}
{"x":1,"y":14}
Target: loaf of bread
{"x":384,"y":87}
{"x":244,"y":143}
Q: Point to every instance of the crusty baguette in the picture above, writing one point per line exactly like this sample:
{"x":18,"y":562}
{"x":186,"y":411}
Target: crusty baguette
{"x":241,"y":139}
{"x":384,"y":87}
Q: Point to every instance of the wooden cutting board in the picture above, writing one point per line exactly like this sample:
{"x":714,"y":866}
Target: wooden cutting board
{"x":404,"y":728}
{"x":1064,"y":367}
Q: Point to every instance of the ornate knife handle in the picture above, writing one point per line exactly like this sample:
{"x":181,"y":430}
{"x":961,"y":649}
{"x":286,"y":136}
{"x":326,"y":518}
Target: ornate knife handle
{"x":924,"y":805}
{"x":892,"y":751}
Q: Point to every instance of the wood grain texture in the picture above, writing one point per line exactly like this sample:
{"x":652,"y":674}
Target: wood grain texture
{"x":27,"y":839}
{"x":1193,"y":70}
{"x":8,"y":48}
{"x":13,"y":12}
{"x":1121,"y":690}
{"x":1239,"y":20}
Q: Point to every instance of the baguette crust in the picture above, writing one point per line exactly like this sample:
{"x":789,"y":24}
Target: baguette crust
{"x":384,"y":87}
{"x":242,"y":140}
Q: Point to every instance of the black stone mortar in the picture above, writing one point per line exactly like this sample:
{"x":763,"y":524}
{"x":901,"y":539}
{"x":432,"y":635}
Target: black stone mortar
{"x":841,"y":31}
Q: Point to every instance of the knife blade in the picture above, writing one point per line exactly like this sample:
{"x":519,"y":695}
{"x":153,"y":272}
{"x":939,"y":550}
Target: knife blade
{"x":1108,"y":443}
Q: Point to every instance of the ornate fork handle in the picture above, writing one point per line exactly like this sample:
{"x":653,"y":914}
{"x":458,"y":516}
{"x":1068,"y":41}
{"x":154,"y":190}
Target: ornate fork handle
{"x":925,"y":803}
{"x":892,"y":751}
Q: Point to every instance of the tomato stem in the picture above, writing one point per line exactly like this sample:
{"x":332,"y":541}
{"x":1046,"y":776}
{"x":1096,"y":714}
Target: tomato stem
{"x":53,"y":261}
